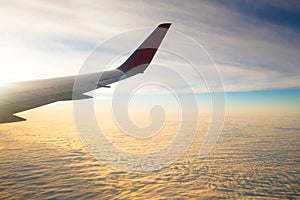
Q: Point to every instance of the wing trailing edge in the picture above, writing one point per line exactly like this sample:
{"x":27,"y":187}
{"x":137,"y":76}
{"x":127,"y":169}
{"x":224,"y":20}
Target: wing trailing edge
{"x":11,"y":118}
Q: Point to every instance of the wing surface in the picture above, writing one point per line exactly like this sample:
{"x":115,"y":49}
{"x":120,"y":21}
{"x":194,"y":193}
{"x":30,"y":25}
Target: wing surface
{"x":22,"y":96}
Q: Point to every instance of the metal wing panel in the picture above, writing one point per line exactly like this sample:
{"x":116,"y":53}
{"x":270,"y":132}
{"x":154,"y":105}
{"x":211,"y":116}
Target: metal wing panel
{"x":23,"y":96}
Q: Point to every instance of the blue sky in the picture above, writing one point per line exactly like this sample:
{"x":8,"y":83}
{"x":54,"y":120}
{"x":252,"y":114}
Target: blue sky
{"x":282,"y":13}
{"x":255,"y":44}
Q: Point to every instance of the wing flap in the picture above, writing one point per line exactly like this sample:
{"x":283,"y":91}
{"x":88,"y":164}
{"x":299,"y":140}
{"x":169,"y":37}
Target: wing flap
{"x":10,"y":119}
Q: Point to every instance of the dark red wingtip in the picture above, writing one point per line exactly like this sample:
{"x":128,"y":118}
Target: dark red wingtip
{"x":143,"y":55}
{"x":165,"y":25}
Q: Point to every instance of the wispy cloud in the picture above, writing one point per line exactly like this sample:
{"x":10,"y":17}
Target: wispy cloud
{"x":253,"y":50}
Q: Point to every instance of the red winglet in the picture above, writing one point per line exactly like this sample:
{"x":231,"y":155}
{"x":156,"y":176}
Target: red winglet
{"x":143,"y":55}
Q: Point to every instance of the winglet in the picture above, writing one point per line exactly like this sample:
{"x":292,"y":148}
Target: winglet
{"x":164,"y":25}
{"x":143,"y":55}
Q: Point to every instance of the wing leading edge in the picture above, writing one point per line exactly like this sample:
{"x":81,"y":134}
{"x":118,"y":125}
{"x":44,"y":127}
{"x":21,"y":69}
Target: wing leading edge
{"x":22,"y":96}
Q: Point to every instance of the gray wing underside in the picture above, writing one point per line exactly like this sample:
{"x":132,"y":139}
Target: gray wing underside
{"x":21,"y":96}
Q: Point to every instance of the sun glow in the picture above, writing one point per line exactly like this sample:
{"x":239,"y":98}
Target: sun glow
{"x":4,"y":76}
{"x":10,"y":75}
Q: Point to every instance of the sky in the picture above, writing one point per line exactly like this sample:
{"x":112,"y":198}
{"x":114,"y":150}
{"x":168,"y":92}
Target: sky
{"x":254,"y":44}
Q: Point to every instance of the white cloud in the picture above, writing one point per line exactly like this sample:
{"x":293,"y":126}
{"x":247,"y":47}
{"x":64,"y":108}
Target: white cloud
{"x":52,"y":38}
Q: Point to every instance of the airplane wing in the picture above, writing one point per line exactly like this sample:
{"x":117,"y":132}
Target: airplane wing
{"x":22,"y":96}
